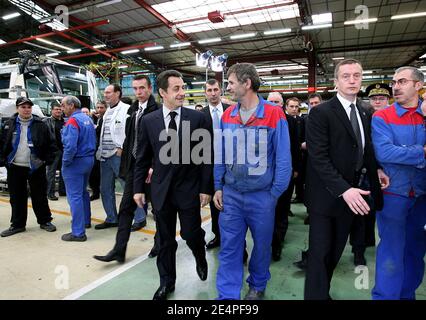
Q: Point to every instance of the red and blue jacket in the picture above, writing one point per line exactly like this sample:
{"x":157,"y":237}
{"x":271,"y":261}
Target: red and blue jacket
{"x":255,"y":156}
{"x":78,"y":137}
{"x":398,"y":137}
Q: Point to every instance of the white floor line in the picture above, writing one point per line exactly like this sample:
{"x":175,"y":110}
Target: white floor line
{"x":81,"y":292}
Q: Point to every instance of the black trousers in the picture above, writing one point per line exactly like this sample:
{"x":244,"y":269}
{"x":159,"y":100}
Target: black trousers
{"x":95,"y":178}
{"x":17,"y":179}
{"x":215,"y":219}
{"x":191,"y":232}
{"x":125,"y":216}
{"x":281,"y":216}
{"x":327,"y":239}
{"x":363,"y":232}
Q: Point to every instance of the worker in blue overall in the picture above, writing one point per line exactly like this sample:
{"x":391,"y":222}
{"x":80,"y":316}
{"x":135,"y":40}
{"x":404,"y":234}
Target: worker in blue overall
{"x":250,"y":174}
{"x":79,"y":140}
{"x":399,"y":139}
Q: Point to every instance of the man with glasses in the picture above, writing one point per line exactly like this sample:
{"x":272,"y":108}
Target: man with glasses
{"x":399,"y":139}
{"x":378,"y":94}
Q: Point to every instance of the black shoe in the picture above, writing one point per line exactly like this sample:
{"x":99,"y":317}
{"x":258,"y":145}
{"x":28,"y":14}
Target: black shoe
{"x":153,"y":253}
{"x":62,"y":194}
{"x":105,"y":225}
{"x":11,"y":231}
{"x":359,"y":259}
{"x":276,"y":253}
{"x":52,"y":197}
{"x":71,"y":237}
{"x":213,"y":243}
{"x":253,"y":294}
{"x":306,"y":221}
{"x":138,"y":225}
{"x":94,"y":197}
{"x":290,"y":214}
{"x":202,"y":268}
{"x":302,"y":264}
{"x":162,"y":292}
{"x":245,"y":256}
{"x":88,"y":226}
{"x":48,"y":226}
{"x":111,"y":256}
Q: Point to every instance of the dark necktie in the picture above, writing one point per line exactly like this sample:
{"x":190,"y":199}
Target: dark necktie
{"x":172,"y":123}
{"x":357,"y":131}
{"x":135,"y":142}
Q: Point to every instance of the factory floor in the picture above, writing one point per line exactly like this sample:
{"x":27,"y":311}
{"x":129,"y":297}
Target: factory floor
{"x":38,"y":265}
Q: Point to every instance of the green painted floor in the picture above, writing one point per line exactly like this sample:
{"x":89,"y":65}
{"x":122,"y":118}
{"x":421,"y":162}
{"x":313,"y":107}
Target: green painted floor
{"x":141,"y":281}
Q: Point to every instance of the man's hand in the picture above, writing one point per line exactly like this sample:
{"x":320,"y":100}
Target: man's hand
{"x":218,"y":200}
{"x":119,"y":152}
{"x":295,"y":174}
{"x":139,"y":199}
{"x":303,"y":146}
{"x":424,"y":104}
{"x":353,"y":197}
{"x":204,"y":199}
{"x":148,"y":179}
{"x":384,"y":179}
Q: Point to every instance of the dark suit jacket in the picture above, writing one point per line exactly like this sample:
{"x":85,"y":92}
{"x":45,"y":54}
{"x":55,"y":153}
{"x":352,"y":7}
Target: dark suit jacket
{"x":206,"y":111}
{"x":332,"y":149}
{"x":185,"y":181}
{"x":129,"y":141}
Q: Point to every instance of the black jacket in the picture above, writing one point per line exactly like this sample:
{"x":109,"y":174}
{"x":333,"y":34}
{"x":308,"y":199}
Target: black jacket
{"x":185,"y":181}
{"x":44,"y":144}
{"x":129,"y":141}
{"x":332,"y":149}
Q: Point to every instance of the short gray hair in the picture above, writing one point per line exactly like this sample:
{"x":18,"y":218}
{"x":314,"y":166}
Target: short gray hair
{"x":74,"y":101}
{"x":416,"y":73}
{"x":243,"y":72}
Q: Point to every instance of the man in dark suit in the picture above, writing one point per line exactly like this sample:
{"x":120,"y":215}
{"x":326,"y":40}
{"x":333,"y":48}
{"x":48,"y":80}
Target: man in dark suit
{"x":178,"y":184}
{"x":341,"y":160}
{"x":143,"y":106}
{"x":214,"y":111}
{"x":282,"y":210}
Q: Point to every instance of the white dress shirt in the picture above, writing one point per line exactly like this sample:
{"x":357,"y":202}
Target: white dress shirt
{"x":167,"y":117}
{"x":347,"y":106}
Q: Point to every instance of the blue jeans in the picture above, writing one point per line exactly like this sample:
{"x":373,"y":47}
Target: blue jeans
{"x":76,"y":177}
{"x":253,"y":210}
{"x":109,"y":173}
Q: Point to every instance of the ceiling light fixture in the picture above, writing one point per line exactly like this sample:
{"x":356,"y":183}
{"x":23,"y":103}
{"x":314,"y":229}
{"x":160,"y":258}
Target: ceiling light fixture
{"x":154,"y":48}
{"x":73,"y":50}
{"x":409,"y":15}
{"x":11,"y":16}
{"x":209,"y":40}
{"x":107,"y":3}
{"x":54,"y":44}
{"x":359,"y":21}
{"x":243,"y":36}
{"x":276,"y":31}
{"x":317,"y":26}
{"x":179,"y":45}
{"x":130,"y":51}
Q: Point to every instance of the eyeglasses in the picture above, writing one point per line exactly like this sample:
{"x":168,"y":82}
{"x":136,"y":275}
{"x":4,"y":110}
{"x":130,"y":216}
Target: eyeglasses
{"x":401,"y":82}
{"x":378,"y":99}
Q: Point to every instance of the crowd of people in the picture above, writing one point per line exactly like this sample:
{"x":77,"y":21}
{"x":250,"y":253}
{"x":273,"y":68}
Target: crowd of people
{"x":349,"y":162}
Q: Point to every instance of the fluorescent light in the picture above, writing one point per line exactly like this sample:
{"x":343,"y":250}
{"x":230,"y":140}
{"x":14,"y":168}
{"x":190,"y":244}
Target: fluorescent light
{"x":409,"y":15}
{"x":73,"y":50}
{"x":11,"y":16}
{"x":209,"y":40}
{"x":358,"y":21}
{"x":130,"y":51}
{"x":243,"y":36}
{"x":317,"y":26}
{"x":179,"y":45}
{"x":199,"y":82}
{"x":54,"y":54}
{"x":154,"y":48}
{"x":423,"y":56}
{"x":338,"y":58}
{"x":54,"y":44}
{"x":107,"y":3}
{"x":99,"y":46}
{"x":78,"y":10}
{"x":367,"y":72}
{"x":123,"y":66}
{"x":277,"y":31}
{"x":322,"y":18}
{"x":2,"y":41}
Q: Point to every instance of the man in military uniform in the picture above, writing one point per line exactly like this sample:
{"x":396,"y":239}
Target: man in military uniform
{"x":378,"y":94}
